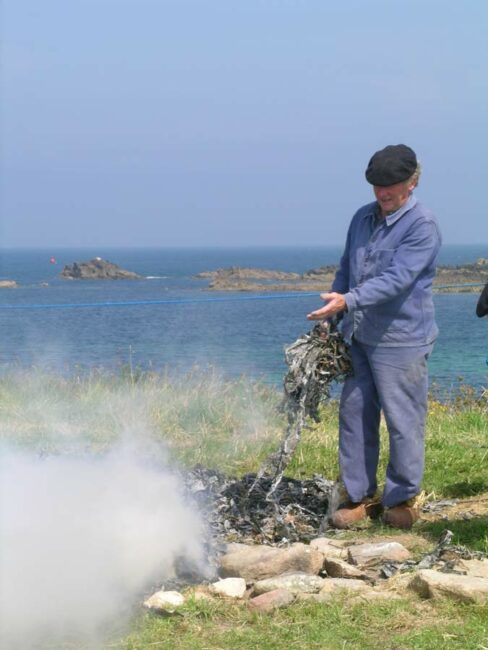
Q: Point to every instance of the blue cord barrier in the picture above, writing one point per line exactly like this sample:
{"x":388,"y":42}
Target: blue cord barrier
{"x":183,"y":301}
{"x":170,"y":301}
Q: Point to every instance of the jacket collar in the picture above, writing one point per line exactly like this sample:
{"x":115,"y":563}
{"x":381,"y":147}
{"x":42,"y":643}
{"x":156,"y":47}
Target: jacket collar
{"x":395,"y":216}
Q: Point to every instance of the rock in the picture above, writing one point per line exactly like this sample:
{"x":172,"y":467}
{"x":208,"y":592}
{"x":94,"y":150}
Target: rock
{"x":337,"y":568}
{"x":272,"y":600}
{"x":371,"y":554}
{"x":8,"y":284}
{"x":164,"y":602}
{"x":230,"y":587}
{"x":235,"y":273}
{"x":330,"y":547}
{"x":434,"y":584}
{"x":373,"y":594}
{"x":333,"y":585}
{"x":97,"y":269}
{"x":259,"y":562}
{"x":237,"y":547}
{"x":253,"y":279}
{"x":293,"y":582}
{"x":474,"y":568}
{"x":320,"y":271}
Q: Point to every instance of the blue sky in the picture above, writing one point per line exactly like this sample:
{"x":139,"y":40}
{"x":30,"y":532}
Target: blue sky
{"x":225,"y":122}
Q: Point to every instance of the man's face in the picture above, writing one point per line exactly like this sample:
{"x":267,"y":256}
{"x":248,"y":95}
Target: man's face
{"x":392,"y":197}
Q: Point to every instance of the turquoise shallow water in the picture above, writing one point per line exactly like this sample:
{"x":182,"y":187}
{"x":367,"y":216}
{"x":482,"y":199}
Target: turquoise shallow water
{"x":236,"y":336}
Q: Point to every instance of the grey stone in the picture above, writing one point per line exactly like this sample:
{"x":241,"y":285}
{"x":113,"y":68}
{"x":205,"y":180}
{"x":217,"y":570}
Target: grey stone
{"x":434,"y":584}
{"x":272,"y":600}
{"x":371,"y":554}
{"x":230,"y":587}
{"x":164,"y":602}
{"x":259,"y":562}
{"x":293,"y":582}
{"x":330,"y":547}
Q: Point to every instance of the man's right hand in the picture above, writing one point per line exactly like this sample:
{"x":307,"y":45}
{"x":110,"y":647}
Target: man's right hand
{"x":336,"y":303}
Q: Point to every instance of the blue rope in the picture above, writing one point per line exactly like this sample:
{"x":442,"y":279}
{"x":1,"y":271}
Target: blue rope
{"x":185,"y":301}
{"x":170,"y":301}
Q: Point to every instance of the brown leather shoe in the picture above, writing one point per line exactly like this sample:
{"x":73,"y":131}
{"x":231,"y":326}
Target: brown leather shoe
{"x":404,"y":515}
{"x":351,"y":513}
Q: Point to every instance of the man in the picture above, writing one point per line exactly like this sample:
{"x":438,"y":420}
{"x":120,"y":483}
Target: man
{"x":384,"y":289}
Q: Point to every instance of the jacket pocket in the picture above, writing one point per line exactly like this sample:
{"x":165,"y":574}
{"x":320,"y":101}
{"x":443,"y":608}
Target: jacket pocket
{"x":381,"y":259}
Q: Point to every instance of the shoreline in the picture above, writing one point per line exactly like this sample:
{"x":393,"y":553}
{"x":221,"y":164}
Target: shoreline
{"x":467,"y":278}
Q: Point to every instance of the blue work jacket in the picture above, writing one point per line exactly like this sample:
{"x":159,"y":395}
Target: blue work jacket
{"x":386,"y":275}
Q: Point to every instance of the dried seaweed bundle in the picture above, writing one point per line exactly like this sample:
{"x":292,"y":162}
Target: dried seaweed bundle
{"x":314,"y":361}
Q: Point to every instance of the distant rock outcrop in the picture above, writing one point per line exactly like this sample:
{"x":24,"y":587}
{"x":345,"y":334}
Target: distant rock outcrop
{"x":236,"y":278}
{"x":97,"y":269}
{"x":8,"y":284}
{"x":449,"y":279}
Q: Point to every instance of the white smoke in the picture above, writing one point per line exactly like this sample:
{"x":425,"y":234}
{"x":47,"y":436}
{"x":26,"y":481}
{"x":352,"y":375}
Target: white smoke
{"x":81,"y":538}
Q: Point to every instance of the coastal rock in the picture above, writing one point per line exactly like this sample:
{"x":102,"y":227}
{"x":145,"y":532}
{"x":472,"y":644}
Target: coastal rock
{"x":434,"y":584}
{"x":321,"y":271}
{"x":236,"y":273}
{"x":8,"y":284}
{"x":293,"y":582}
{"x":259,"y":562}
{"x":462,"y":278}
{"x":97,"y":269}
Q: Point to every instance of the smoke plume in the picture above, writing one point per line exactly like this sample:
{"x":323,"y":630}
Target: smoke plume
{"x":81,"y":539}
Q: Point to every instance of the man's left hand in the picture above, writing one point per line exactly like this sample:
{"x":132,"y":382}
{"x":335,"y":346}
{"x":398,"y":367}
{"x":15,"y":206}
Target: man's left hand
{"x":335,"y":304}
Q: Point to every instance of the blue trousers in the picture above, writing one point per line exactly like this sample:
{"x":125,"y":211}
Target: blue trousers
{"x":393,"y":380}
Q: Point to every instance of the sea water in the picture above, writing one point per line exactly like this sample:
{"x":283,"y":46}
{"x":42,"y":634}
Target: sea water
{"x":53,"y":329}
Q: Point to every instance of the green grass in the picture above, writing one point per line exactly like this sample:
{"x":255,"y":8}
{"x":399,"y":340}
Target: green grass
{"x":232,"y":425}
{"x":391,"y":625}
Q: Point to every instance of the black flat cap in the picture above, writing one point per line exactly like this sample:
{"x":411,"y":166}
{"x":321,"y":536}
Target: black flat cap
{"x":393,"y":164}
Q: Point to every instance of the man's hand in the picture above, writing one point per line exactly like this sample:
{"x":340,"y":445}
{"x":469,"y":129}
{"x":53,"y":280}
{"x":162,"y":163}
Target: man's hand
{"x":335,"y":304}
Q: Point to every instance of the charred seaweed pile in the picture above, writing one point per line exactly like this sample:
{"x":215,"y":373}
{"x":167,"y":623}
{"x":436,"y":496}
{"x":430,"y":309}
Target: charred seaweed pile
{"x":267,"y":507}
{"x":235,"y":512}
